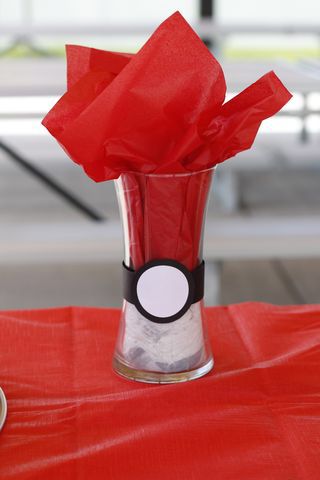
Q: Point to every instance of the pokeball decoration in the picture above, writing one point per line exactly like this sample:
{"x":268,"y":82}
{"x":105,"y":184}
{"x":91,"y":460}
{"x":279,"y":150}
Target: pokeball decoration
{"x":163,"y":290}
{"x":157,"y":124}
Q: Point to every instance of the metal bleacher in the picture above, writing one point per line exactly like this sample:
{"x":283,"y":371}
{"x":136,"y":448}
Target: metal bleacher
{"x":228,"y":237}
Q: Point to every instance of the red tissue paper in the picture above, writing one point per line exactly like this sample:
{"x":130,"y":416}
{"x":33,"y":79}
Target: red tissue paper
{"x":160,"y":111}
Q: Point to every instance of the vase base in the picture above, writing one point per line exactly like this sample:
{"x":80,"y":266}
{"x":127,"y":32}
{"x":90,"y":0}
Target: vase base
{"x":159,"y":377}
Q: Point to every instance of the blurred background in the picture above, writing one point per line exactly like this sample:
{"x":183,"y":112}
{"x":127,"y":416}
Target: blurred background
{"x":60,"y":237}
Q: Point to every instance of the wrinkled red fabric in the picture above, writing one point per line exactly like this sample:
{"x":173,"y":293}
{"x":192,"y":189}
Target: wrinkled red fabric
{"x":159,"y":111}
{"x":255,"y":416}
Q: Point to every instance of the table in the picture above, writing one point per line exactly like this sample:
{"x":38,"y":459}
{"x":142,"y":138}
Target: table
{"x":255,"y":416}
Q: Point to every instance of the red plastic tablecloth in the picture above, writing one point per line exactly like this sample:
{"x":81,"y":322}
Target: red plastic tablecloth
{"x":255,"y":416}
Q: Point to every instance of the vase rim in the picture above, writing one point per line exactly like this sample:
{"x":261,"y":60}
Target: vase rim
{"x":184,"y":174}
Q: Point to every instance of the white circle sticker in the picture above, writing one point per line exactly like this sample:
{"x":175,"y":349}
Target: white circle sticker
{"x":162,"y":290}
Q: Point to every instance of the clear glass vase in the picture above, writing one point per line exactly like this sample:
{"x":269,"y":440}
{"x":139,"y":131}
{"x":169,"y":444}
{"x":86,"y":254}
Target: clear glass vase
{"x":162,"y":335}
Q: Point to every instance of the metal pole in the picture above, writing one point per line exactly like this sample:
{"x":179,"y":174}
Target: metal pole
{"x":207,"y":11}
{"x":52,"y":184}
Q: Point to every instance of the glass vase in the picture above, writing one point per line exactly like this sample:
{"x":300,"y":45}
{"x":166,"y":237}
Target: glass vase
{"x":162,"y":335}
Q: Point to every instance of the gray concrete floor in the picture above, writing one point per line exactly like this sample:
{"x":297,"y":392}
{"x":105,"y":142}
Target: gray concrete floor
{"x":279,"y":191}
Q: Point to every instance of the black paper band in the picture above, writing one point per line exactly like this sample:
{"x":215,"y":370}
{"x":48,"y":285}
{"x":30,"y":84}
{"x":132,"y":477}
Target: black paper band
{"x":195,"y":280}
